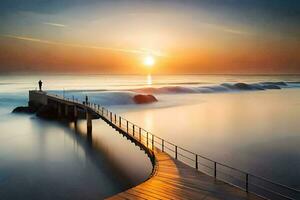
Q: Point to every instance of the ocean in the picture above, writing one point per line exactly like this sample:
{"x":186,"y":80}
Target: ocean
{"x":247,"y":122}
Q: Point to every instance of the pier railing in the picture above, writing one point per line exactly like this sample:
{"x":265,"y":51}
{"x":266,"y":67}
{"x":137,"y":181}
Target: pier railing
{"x":248,"y":182}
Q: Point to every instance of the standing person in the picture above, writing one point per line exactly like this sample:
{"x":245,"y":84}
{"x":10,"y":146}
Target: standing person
{"x":40,"y":85}
{"x":86,"y":99}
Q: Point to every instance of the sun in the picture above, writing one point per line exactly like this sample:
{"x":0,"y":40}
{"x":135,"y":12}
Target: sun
{"x":149,"y":61}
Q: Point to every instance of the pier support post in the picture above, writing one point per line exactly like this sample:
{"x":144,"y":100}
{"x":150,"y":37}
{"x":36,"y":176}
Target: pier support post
{"x":75,"y":113}
{"x":89,"y":123}
{"x":66,"y":110}
{"x":75,"y":117}
{"x":247,"y":183}
{"x":59,"y":110}
{"x":215,"y":169}
{"x":75,"y":126}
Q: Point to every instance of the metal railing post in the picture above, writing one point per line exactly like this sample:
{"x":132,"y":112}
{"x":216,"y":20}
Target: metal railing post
{"x":247,"y":182}
{"x":147,"y":139}
{"x":152,"y":142}
{"x":196,"y":164}
{"x":120,"y":121}
{"x":115,"y":118}
{"x":162,"y":145}
{"x":133,"y":130}
{"x":140,"y":134}
{"x":176,"y":152}
{"x":110,"y":116}
{"x":127,"y":125}
{"x":215,"y":169}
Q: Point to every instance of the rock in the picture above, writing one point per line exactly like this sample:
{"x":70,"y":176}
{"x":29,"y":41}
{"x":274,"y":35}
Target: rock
{"x":243,"y":86}
{"x":23,"y":109}
{"x":141,"y":98}
{"x":31,"y":108}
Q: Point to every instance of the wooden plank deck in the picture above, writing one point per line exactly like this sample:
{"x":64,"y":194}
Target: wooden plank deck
{"x":173,"y":179}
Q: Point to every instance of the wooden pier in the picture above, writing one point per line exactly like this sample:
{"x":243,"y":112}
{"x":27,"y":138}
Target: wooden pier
{"x":177,"y":173}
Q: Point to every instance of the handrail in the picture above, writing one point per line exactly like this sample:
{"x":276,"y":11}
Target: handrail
{"x":117,"y":120}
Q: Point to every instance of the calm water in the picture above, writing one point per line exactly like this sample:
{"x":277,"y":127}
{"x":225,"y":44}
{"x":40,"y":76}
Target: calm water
{"x":50,"y":160}
{"x":257,"y":131}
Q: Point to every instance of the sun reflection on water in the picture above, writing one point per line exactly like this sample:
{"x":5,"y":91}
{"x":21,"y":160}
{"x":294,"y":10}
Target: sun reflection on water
{"x":149,"y":80}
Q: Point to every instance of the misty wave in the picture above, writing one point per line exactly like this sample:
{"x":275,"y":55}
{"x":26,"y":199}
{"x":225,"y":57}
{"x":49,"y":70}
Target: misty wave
{"x":132,"y":97}
{"x":224,"y":87}
{"x":111,"y":98}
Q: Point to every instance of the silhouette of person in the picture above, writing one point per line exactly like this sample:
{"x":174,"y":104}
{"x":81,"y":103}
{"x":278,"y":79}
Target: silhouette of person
{"x":86,"y":99}
{"x":40,"y":85}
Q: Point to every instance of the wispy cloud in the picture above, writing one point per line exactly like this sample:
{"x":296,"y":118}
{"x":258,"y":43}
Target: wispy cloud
{"x":227,"y":29}
{"x":131,"y":51}
{"x":153,"y":52}
{"x":238,"y":32}
{"x":54,"y":24}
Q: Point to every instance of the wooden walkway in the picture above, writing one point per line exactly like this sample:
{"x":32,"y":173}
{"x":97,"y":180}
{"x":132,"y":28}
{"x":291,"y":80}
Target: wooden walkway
{"x":173,"y":179}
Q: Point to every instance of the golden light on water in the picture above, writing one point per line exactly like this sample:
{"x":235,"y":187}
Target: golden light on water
{"x":149,"y":79}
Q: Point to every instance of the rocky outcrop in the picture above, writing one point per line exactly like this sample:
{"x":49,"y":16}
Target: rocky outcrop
{"x":31,"y":108}
{"x":144,"y":98}
{"x":23,"y":109}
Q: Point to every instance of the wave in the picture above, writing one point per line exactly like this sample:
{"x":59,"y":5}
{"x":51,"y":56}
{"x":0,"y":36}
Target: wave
{"x":108,"y":98}
{"x":141,"y":95}
{"x":224,"y":87}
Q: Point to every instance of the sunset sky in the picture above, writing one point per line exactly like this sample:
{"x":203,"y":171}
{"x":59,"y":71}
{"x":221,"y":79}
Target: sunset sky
{"x":201,"y":36}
